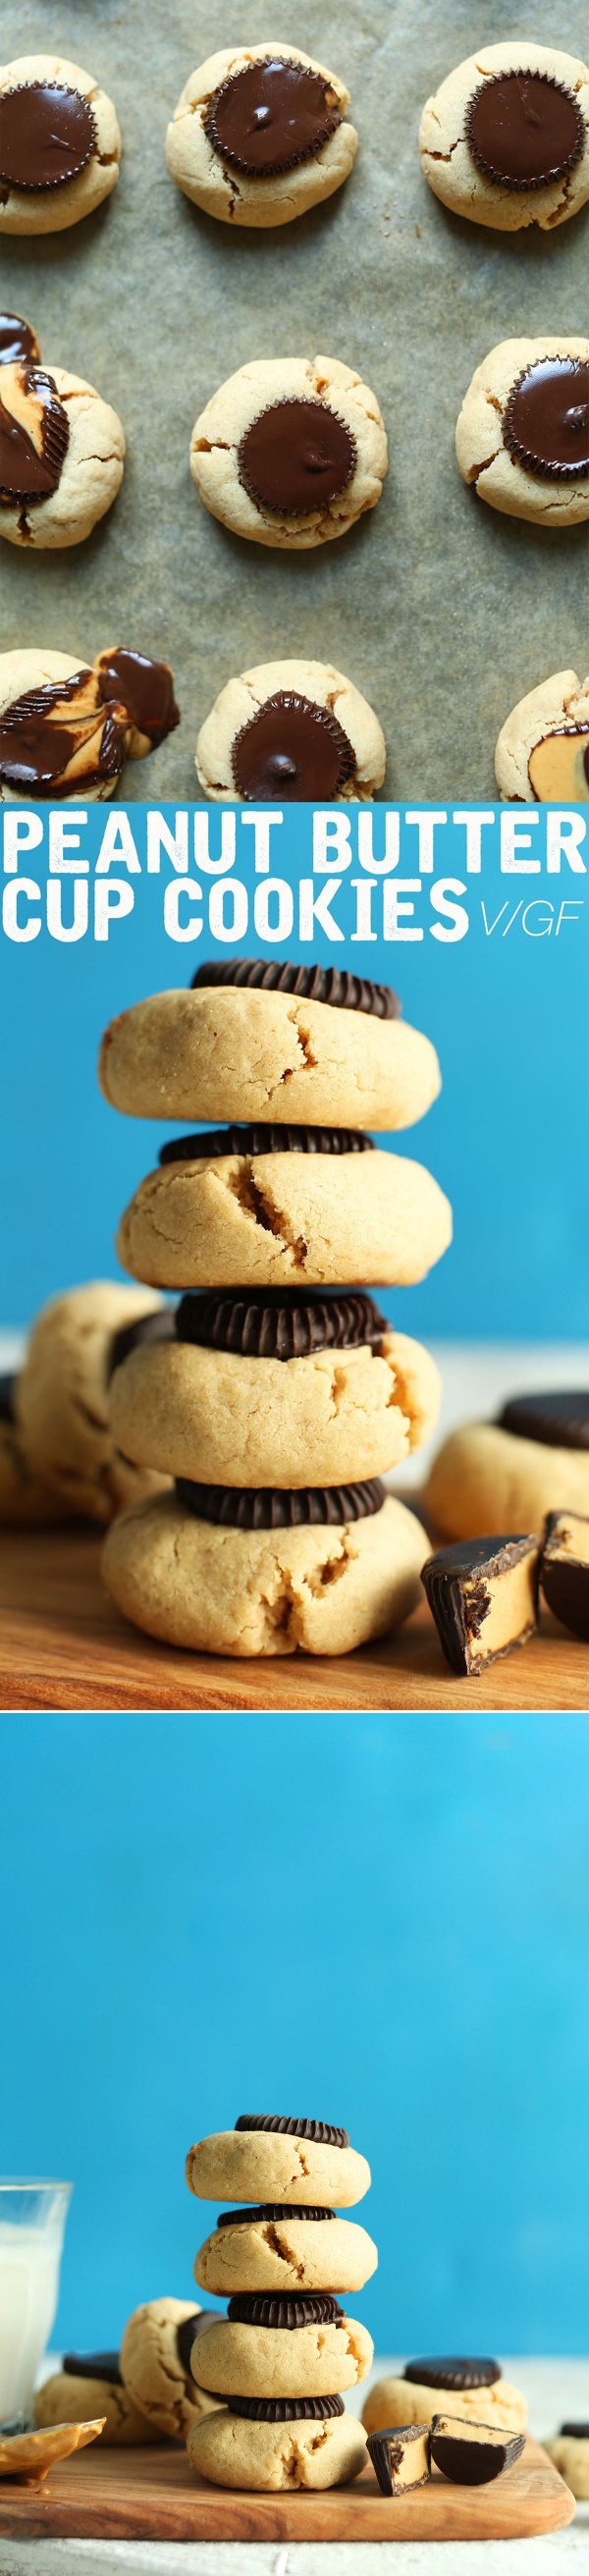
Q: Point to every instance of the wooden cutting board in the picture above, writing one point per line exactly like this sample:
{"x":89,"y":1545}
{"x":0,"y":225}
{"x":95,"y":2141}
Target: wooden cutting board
{"x":63,"y":1645}
{"x":152,"y":2494}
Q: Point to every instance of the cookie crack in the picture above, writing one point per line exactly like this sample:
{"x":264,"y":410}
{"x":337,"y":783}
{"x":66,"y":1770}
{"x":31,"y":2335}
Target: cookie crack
{"x":257,"y":1202}
{"x":283,"y":2252}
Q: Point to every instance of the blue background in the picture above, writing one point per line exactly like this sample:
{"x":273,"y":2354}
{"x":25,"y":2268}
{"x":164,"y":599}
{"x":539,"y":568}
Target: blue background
{"x":507,"y":1139}
{"x":374,"y":1920}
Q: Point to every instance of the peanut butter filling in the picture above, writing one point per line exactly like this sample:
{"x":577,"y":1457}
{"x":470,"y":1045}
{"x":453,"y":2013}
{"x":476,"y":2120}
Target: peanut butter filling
{"x":558,"y":767}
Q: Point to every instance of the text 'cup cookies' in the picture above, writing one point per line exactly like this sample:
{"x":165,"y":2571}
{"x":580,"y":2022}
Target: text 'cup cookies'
{"x":286,"y":2349}
{"x":280,"y":1397}
{"x":260,"y":134}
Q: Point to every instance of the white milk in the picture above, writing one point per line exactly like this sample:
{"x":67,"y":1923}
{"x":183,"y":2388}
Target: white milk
{"x":29,"y":2281}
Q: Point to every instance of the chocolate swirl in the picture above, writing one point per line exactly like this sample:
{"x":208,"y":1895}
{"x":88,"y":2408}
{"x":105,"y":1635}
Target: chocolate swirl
{"x":271,"y":116}
{"x":317,"y":2130}
{"x":34,"y":434}
{"x":332,"y":984}
{"x":279,"y":1325}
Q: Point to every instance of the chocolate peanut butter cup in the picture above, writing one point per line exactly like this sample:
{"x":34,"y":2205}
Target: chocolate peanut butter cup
{"x":558,"y":766}
{"x":560,"y":1420}
{"x":93,"y":2365}
{"x":279,"y":1325}
{"x":296,"y":457}
{"x":318,"y":2130}
{"x":214,"y":1143}
{"x":332,"y":984}
{"x":564,"y":1570}
{"x":46,"y":729}
{"x":400,"y":2455}
{"x":524,"y":129}
{"x":472,"y":2454}
{"x":285,"y":2315}
{"x":7,"y":1395}
{"x":34,"y":434}
{"x":145,"y":687}
{"x":157,"y":1327}
{"x":269,"y":1507}
{"x":483,"y":1595}
{"x":187,"y":2333}
{"x":294,"y":750}
{"x":284,"y":2410}
{"x":546,"y":420}
{"x":47,"y":135}
{"x":272,"y":2209}
{"x":456,"y":2373}
{"x":270,"y":116}
{"x":17,"y":339}
{"x":576,"y":2432}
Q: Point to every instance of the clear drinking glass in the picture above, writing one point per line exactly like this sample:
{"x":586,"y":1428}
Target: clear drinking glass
{"x":32,"y":2221}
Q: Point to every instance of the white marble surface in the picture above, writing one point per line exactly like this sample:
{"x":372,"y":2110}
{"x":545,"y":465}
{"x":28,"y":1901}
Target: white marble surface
{"x":554,"y":2389}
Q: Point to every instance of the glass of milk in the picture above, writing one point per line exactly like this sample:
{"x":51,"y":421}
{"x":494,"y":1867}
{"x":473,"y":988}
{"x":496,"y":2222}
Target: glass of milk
{"x":32,"y":2221}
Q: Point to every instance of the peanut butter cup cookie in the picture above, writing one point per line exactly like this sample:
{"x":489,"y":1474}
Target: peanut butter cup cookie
{"x":511,"y":1473}
{"x":477,"y":2389}
{"x":283,"y":1205}
{"x":61,"y":449}
{"x":260,"y":134}
{"x":505,"y":140}
{"x":62,"y":1395}
{"x":290,"y":451}
{"x":259,"y":1039}
{"x":289,"y":2160}
{"x":67,"y":727}
{"x":275,"y":1580}
{"x":92,"y":2380}
{"x":542,"y":752}
{"x":291,"y":732}
{"x":157,"y":2352}
{"x":293,"y":2443}
{"x":274,"y":2247}
{"x":522,"y":436}
{"x":60,"y":144}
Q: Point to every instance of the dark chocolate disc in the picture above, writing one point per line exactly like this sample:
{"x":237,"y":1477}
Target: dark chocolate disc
{"x":7,"y":1395}
{"x":546,"y":420}
{"x":318,"y":2130}
{"x":146,"y":688}
{"x":36,"y":744}
{"x":316,"y":2309}
{"x":296,"y":456}
{"x":576,"y":2432}
{"x":93,"y":2365}
{"x":331,"y":984}
{"x":524,"y":129}
{"x":560,"y":1420}
{"x":293,"y":751}
{"x":47,"y":135}
{"x":272,"y":1507}
{"x":271,"y":116}
{"x":279,"y":1325}
{"x":187,"y":2333}
{"x":17,"y":340}
{"x":455,"y":2373}
{"x":215,"y":1142}
{"x":156,"y":1327}
{"x":285,"y":2410}
{"x":269,"y":2209}
{"x":33,"y":448}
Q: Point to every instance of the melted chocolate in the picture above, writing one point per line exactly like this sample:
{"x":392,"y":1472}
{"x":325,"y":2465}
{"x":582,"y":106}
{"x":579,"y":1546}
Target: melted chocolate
{"x":17,"y":340}
{"x":93,"y":2365}
{"x":318,"y":2130}
{"x":292,"y":751}
{"x":546,"y":421}
{"x":560,"y":1420}
{"x":456,"y":2373}
{"x":145,"y":687}
{"x":296,"y":456}
{"x":315,"y":2309}
{"x":47,"y":135}
{"x":274,"y":1507}
{"x":524,"y":129}
{"x":332,"y":984}
{"x":43,"y":731}
{"x":270,"y":116}
{"x":218,"y":1142}
{"x":278,"y":1324}
{"x":33,"y":448}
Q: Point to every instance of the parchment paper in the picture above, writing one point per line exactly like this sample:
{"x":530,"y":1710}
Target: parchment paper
{"x":443,"y":612}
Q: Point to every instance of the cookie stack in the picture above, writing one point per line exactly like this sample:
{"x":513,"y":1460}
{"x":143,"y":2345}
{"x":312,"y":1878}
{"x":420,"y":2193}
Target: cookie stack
{"x":280,"y":2358}
{"x":281,"y":1395}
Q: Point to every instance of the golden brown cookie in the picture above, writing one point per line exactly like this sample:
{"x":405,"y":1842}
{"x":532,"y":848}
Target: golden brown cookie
{"x":260,"y":134}
{"x":224,"y":1590}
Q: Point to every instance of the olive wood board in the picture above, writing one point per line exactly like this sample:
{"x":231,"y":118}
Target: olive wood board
{"x":152,"y":2494}
{"x":64,"y":1645}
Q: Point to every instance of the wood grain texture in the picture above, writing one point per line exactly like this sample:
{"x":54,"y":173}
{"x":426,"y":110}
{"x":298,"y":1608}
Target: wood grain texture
{"x":63,"y":1645}
{"x":152,"y":2494}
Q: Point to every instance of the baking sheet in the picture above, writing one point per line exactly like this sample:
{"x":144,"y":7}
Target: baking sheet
{"x":443,"y":612}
